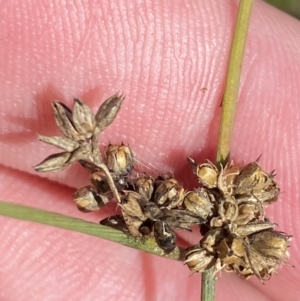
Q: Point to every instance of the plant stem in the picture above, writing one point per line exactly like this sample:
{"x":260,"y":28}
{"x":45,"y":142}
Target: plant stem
{"x":233,"y":80}
{"x":75,"y":224}
{"x":208,"y":282}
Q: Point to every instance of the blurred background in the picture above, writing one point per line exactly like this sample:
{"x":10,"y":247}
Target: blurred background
{"x":291,"y":7}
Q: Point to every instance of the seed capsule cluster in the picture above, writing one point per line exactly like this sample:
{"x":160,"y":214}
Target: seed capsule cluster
{"x":228,"y":205}
{"x":237,"y":236}
{"x":148,"y":206}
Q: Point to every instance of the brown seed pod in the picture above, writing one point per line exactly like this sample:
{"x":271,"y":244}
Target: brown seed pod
{"x":232,"y":255}
{"x":169,"y":193}
{"x":251,"y":177}
{"x":150,"y":210}
{"x":230,"y":249}
{"x":130,"y":204}
{"x":198,"y":259}
{"x":144,"y":185}
{"x":119,"y":160}
{"x":207,"y":173}
{"x":248,"y":212}
{"x":98,"y":179}
{"x":266,"y":251}
{"x":200,"y":202}
{"x":271,"y":243}
{"x":54,"y":163}
{"x":228,"y":209}
{"x":227,"y":177}
{"x":212,"y":239}
{"x":133,"y":224}
{"x":89,"y":200}
{"x":64,"y":121}
{"x":250,"y":228}
{"x":181,"y":219}
{"x":83,"y":119}
{"x":164,"y":236}
{"x":216,"y":222}
{"x":64,"y":143}
{"x":108,"y":111}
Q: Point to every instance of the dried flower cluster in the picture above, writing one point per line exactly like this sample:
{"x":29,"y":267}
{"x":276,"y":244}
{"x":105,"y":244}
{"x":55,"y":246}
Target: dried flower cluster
{"x":237,"y":236}
{"x":148,"y":206}
{"x":229,"y":205}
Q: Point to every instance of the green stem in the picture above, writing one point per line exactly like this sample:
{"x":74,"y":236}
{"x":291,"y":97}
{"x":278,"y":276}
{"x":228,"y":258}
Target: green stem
{"x":75,"y":224}
{"x":233,"y":80}
{"x":228,"y":113}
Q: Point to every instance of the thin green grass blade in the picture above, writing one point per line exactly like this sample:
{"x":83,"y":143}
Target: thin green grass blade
{"x":78,"y":225}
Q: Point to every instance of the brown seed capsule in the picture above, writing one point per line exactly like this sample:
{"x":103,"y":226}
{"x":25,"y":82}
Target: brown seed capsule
{"x":88,"y":200}
{"x":207,"y":173}
{"x":164,"y":236}
{"x":132,"y":212}
{"x":252,"y":179}
{"x":227,"y":177}
{"x":63,"y":118}
{"x":108,"y":111}
{"x":229,"y":248}
{"x":98,"y":179}
{"x":264,"y":197}
{"x":150,"y":209}
{"x":269,"y":194}
{"x":270,"y":243}
{"x":253,"y":227}
{"x":133,"y":224}
{"x":228,"y":209}
{"x":169,"y":193}
{"x":248,"y":212}
{"x":144,"y":186}
{"x":199,"y":202}
{"x":54,"y":162}
{"x":232,"y":255}
{"x":83,"y":118}
{"x":119,"y":159}
{"x":198,"y":259}
{"x":181,"y":219}
{"x":130,"y":204}
{"x":64,"y":143}
{"x":216,"y":222}
{"x":261,"y":266}
{"x":212,"y":239}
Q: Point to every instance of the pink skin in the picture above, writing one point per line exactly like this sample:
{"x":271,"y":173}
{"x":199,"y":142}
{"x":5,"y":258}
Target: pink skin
{"x":161,"y":54}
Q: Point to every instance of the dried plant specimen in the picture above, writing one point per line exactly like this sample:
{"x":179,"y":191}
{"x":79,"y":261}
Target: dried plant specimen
{"x":228,"y":206}
{"x":148,"y":206}
{"x":81,"y":129}
{"x":237,"y":235}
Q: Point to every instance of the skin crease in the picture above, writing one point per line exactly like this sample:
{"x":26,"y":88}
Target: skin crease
{"x":161,"y":54}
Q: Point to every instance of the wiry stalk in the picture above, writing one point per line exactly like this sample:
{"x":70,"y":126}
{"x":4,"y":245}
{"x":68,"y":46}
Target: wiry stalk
{"x":208,"y":285}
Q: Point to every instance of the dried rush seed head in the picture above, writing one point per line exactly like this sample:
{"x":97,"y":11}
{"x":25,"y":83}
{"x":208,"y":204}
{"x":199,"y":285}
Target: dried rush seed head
{"x":80,"y":128}
{"x":228,"y":206}
{"x":237,"y":235}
